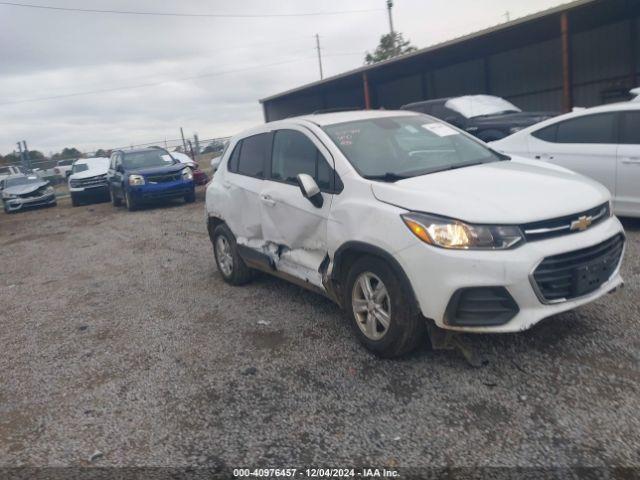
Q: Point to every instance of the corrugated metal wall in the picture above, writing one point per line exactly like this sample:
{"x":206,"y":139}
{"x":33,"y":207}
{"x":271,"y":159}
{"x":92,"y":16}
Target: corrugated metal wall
{"x":530,"y":77}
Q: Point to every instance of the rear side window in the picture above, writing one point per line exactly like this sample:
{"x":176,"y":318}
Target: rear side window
{"x":254,"y":155}
{"x":294,"y":153}
{"x":630,"y":133}
{"x":597,"y":128}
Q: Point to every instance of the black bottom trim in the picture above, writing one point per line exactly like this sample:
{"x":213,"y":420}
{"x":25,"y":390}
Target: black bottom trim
{"x":480,"y":307}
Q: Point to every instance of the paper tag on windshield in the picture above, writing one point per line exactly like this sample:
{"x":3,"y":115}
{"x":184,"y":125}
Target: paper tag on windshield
{"x":440,"y":129}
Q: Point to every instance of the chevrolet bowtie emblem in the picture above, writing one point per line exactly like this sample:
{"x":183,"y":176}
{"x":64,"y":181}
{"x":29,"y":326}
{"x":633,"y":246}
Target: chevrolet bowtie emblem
{"x":581,"y":223}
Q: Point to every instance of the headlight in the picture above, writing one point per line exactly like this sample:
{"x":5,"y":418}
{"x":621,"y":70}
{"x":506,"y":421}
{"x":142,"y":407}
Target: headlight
{"x":136,"y":180}
{"x":9,"y":195}
{"x":449,"y":233}
{"x":187,"y":174}
{"x":515,"y":129}
{"x":48,"y":190}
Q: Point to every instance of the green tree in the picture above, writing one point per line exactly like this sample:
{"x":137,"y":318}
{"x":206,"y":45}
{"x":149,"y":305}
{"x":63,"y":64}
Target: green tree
{"x":391,"y":45}
{"x":102,"y":153}
{"x":67,"y":153}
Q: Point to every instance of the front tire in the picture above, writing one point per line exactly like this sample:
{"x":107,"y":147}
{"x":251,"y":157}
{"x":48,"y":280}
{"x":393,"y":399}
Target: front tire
{"x":383,"y":316}
{"x":74,"y":201}
{"x":129,"y":202}
{"x":115,"y":201}
{"x":230,"y":265}
{"x":190,"y":198}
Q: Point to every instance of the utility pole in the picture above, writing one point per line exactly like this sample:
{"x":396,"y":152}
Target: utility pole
{"x":21,"y":154}
{"x":27,"y":159}
{"x":391,"y":31}
{"x":319,"y":55}
{"x":184,"y":144}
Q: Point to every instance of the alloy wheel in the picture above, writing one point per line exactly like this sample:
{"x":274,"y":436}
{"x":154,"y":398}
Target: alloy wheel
{"x":371,"y":305}
{"x":225,"y":258}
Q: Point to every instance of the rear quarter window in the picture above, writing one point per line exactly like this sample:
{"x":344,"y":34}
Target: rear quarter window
{"x":254,"y":155}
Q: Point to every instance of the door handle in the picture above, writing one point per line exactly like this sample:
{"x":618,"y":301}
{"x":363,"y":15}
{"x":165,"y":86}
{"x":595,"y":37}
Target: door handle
{"x":268,"y":200}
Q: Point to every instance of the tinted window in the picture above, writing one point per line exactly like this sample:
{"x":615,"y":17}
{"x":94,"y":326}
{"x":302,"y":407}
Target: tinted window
{"x":294,"y":153}
{"x":548,"y":134}
{"x":254,"y":154}
{"x":598,"y":128}
{"x":630,"y":133}
{"x":232,"y":166}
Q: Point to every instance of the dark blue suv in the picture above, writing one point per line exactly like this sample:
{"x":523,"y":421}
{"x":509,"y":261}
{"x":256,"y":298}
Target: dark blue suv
{"x":148,"y":174}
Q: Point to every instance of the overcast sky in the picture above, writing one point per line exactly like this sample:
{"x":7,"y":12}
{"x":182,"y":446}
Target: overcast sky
{"x":46,"y":53}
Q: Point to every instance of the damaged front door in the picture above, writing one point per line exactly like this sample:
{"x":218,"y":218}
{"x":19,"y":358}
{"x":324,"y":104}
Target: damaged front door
{"x":296,"y":230}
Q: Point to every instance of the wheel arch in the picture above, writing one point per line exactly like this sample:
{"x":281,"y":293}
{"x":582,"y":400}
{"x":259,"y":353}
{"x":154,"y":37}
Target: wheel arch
{"x":212,"y":223}
{"x":350,"y":251}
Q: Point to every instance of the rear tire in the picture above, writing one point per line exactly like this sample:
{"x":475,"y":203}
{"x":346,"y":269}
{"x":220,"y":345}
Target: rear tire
{"x":382,"y":315}
{"x":230,"y":265}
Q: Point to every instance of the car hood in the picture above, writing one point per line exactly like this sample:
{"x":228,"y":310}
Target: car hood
{"x":93,"y":172}
{"x":515,"y":119}
{"x":24,"y":189}
{"x":507,"y":192}
{"x":158,"y":170}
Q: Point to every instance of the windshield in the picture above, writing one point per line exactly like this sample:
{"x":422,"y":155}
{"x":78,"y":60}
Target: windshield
{"x":64,"y":163}
{"x":14,"y":182}
{"x":392,"y":148}
{"x":147,"y":159}
{"x":79,"y":167}
{"x":471,"y":106}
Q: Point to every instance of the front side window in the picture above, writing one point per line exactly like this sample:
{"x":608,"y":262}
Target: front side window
{"x":146,"y":159}
{"x":254,"y":154}
{"x":293,"y":154}
{"x":597,"y":128}
{"x":630,"y":133}
{"x":392,"y":148}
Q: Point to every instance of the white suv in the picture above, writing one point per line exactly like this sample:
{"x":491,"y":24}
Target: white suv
{"x":403,"y":220}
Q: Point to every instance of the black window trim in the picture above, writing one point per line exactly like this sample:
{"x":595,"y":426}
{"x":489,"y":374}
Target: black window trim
{"x":617,"y":132}
{"x":237,"y":146}
{"x":336,"y":185}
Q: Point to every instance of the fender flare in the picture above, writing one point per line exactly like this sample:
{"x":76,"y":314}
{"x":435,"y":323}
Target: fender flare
{"x":357,"y":247}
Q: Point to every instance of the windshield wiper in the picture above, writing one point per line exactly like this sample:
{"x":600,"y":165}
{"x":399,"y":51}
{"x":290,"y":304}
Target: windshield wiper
{"x":387,"y":177}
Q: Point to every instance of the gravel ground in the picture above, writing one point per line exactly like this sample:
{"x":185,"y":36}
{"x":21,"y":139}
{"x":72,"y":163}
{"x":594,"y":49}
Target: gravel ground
{"x":118,"y":335}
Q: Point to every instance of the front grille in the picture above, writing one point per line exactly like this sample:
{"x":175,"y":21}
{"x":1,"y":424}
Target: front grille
{"x":89,"y":182}
{"x":481,"y":306}
{"x":574,"y":274}
{"x":171,"y":177}
{"x":562,"y":226}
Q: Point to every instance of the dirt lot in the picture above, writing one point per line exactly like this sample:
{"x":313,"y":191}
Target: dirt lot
{"x":118,"y":335}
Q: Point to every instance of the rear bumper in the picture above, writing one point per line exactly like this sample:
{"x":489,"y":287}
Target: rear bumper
{"x":15,"y":204}
{"x":159,"y":191}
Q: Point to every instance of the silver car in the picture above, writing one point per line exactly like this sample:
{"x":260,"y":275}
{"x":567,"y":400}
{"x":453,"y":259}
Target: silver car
{"x":26,"y":191}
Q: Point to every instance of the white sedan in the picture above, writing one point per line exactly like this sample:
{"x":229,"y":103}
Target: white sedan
{"x":601,"y":142}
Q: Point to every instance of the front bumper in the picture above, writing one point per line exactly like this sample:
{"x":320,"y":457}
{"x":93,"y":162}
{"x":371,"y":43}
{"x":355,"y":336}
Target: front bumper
{"x":159,"y":191}
{"x":436,"y":274}
{"x":15,"y":204}
{"x":93,"y":191}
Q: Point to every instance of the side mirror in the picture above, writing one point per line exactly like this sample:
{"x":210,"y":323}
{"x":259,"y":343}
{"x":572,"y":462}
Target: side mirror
{"x":310,"y":189}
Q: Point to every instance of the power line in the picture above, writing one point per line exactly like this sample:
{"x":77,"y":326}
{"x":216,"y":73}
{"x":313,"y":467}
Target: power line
{"x":191,"y":15}
{"x":153,"y":84}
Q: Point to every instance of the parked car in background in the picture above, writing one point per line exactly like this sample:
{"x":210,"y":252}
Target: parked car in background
{"x":601,"y":142}
{"x":63,"y":167}
{"x":400,"y":218}
{"x":485,"y":116}
{"x":199,"y":177}
{"x":9,"y":170}
{"x":148,"y":174}
{"x":88,"y":180}
{"x":26,"y":191}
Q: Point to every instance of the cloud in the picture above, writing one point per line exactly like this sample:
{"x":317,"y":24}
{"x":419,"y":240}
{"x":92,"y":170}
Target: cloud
{"x":47,"y":53}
